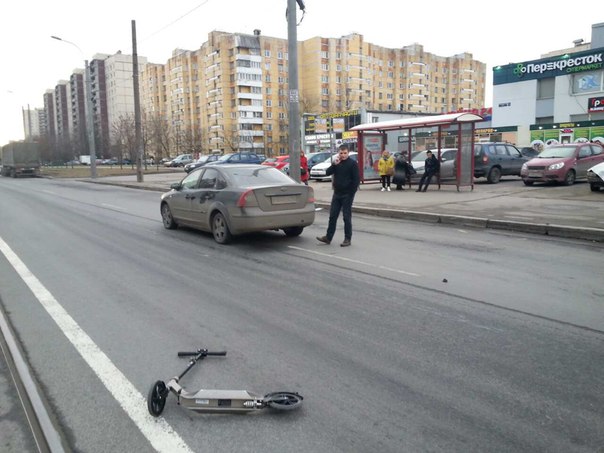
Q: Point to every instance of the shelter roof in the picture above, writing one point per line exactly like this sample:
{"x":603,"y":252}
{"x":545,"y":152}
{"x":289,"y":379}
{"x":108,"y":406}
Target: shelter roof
{"x":424,"y":121}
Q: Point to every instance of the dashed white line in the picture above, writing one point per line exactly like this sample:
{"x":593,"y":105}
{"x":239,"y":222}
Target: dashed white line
{"x":160,"y":434}
{"x":350,"y":260}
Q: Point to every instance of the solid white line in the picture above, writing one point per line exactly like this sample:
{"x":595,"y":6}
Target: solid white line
{"x":350,"y":260}
{"x":159,"y":433}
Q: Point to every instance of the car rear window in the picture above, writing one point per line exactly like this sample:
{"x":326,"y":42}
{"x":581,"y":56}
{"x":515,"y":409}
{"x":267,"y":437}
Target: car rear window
{"x":258,"y":176}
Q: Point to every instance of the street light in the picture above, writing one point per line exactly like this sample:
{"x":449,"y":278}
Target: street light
{"x":89,"y":112}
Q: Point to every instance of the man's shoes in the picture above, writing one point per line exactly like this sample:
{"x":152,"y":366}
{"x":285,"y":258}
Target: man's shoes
{"x":425,"y":189}
{"x":418,"y":190}
{"x":324,"y":239}
{"x":382,"y":189}
{"x":388,"y":189}
{"x":346,"y":243}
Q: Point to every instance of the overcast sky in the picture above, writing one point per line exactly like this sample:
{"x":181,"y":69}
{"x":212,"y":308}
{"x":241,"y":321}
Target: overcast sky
{"x":495,"y":33}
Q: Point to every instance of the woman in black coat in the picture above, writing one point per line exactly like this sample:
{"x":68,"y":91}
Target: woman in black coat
{"x":401,"y":172}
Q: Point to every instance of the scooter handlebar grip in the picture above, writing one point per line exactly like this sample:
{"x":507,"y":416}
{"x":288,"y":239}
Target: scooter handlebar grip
{"x":193,"y":353}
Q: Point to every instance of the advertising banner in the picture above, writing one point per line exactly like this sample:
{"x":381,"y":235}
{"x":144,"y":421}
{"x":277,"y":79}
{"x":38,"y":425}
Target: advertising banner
{"x":372,"y":151}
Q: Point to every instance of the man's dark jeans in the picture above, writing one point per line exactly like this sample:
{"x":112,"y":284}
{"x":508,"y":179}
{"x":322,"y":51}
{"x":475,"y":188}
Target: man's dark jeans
{"x":340,"y":202}
{"x":426,"y":178}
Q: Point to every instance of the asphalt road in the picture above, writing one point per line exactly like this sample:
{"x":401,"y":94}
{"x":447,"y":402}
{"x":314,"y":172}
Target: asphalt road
{"x":506,"y":355}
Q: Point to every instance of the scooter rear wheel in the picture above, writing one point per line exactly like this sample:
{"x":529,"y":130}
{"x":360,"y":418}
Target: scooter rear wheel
{"x":283,"y":401}
{"x":156,"y":399}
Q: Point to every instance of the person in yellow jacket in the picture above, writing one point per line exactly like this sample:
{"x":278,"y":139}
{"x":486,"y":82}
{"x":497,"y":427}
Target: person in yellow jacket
{"x":385,"y":170}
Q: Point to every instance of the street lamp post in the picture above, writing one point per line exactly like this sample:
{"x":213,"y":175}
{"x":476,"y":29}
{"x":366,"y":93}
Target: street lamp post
{"x":89,"y":109}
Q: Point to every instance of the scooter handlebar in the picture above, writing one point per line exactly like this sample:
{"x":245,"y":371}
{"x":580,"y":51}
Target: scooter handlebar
{"x":201,"y":351}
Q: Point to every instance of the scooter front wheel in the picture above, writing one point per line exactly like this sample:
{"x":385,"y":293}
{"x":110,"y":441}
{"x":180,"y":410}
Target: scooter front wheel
{"x":283,"y":401}
{"x":156,"y":399}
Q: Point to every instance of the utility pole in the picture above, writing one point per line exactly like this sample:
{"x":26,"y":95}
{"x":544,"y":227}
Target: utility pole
{"x":294,"y":95}
{"x":138,"y":136}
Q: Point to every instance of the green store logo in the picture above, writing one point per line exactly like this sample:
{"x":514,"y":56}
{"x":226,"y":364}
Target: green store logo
{"x":519,"y":70}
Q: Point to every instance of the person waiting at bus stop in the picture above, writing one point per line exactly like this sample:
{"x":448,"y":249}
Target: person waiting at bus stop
{"x":431,"y":168}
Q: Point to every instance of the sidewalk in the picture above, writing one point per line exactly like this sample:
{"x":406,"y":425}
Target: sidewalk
{"x":573,"y":212}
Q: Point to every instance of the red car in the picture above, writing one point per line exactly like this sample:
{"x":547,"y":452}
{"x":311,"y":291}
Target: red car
{"x":562,"y":163}
{"x":278,"y":162}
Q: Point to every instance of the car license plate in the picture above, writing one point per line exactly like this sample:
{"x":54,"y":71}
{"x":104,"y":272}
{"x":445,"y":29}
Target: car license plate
{"x":535,"y":174}
{"x":283,"y":199}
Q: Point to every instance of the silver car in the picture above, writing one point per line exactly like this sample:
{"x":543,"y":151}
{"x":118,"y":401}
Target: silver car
{"x":228,"y":200}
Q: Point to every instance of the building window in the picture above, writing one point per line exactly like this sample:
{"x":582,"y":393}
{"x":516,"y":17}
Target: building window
{"x":545,"y":88}
{"x":267,"y":53}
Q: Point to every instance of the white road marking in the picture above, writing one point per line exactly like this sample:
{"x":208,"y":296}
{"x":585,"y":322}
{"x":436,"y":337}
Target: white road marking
{"x":350,"y":260}
{"x":159,"y":433}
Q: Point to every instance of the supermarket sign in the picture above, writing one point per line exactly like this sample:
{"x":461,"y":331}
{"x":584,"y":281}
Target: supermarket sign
{"x":591,"y":60}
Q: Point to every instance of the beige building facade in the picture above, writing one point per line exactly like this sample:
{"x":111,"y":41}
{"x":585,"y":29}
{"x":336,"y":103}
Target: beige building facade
{"x":232,"y":93}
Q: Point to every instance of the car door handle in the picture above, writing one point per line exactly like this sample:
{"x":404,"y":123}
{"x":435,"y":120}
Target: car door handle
{"x":190,"y":197}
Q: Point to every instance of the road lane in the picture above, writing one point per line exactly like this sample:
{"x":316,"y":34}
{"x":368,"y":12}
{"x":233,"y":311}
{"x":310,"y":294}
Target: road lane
{"x":386,"y":361}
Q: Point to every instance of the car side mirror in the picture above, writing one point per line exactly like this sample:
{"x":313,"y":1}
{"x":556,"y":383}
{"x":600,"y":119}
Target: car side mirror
{"x":176,"y":186}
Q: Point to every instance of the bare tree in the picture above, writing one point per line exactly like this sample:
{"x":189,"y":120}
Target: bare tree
{"x":158,"y":135}
{"x":124,"y":138}
{"x":191,"y":139}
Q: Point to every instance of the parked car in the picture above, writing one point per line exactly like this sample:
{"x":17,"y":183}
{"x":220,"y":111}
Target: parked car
{"x":277,"y":162}
{"x":447,"y":163}
{"x":238,"y":158}
{"x":318,"y":171}
{"x":205,"y":159}
{"x":112,"y":161}
{"x":529,"y":151}
{"x":180,"y":161}
{"x":316,"y":158}
{"x":562,"y":163}
{"x":494,"y":160}
{"x":595,"y":177}
{"x":228,"y":200}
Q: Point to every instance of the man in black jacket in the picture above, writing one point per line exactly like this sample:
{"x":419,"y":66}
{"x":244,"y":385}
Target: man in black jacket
{"x":431,"y":167}
{"x":345,"y":175}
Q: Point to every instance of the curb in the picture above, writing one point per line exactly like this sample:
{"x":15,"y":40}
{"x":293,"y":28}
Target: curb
{"x":543,"y":229}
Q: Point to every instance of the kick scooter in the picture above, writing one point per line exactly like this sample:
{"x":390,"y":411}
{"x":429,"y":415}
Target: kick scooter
{"x":215,"y":401}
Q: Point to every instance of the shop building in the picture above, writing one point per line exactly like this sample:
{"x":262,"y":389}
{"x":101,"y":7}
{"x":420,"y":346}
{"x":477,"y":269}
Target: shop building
{"x":558,"y":98}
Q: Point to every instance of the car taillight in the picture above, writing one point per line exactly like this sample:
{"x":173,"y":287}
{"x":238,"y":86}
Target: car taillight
{"x":247,"y":198}
{"x":485,"y":159}
{"x":311,"y":195}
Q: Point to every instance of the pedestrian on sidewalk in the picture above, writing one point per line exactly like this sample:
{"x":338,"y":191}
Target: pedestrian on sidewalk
{"x":386,"y":170}
{"x":431,"y":168}
{"x":402,"y":171}
{"x":304,"y":175}
{"x":346,"y":179}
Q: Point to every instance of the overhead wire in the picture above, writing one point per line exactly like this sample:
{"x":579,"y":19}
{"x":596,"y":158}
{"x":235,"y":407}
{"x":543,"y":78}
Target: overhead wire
{"x":176,"y":20}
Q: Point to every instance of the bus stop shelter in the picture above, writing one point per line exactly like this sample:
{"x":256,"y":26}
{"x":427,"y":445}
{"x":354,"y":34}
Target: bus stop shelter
{"x":451,"y":130}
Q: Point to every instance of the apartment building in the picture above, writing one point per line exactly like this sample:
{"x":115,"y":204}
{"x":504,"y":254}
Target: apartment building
{"x":235,"y":86}
{"x":62,"y":101}
{"x":119,"y":92}
{"x":77,"y":85}
{"x":33,"y":121}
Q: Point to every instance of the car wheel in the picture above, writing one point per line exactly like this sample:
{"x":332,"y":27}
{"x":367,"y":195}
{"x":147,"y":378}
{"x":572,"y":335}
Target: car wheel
{"x":494,"y":175}
{"x":594,"y":188}
{"x":293,"y":231}
{"x":167,"y":218}
{"x":569,"y":179}
{"x":527,"y":183}
{"x":220,"y":229}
